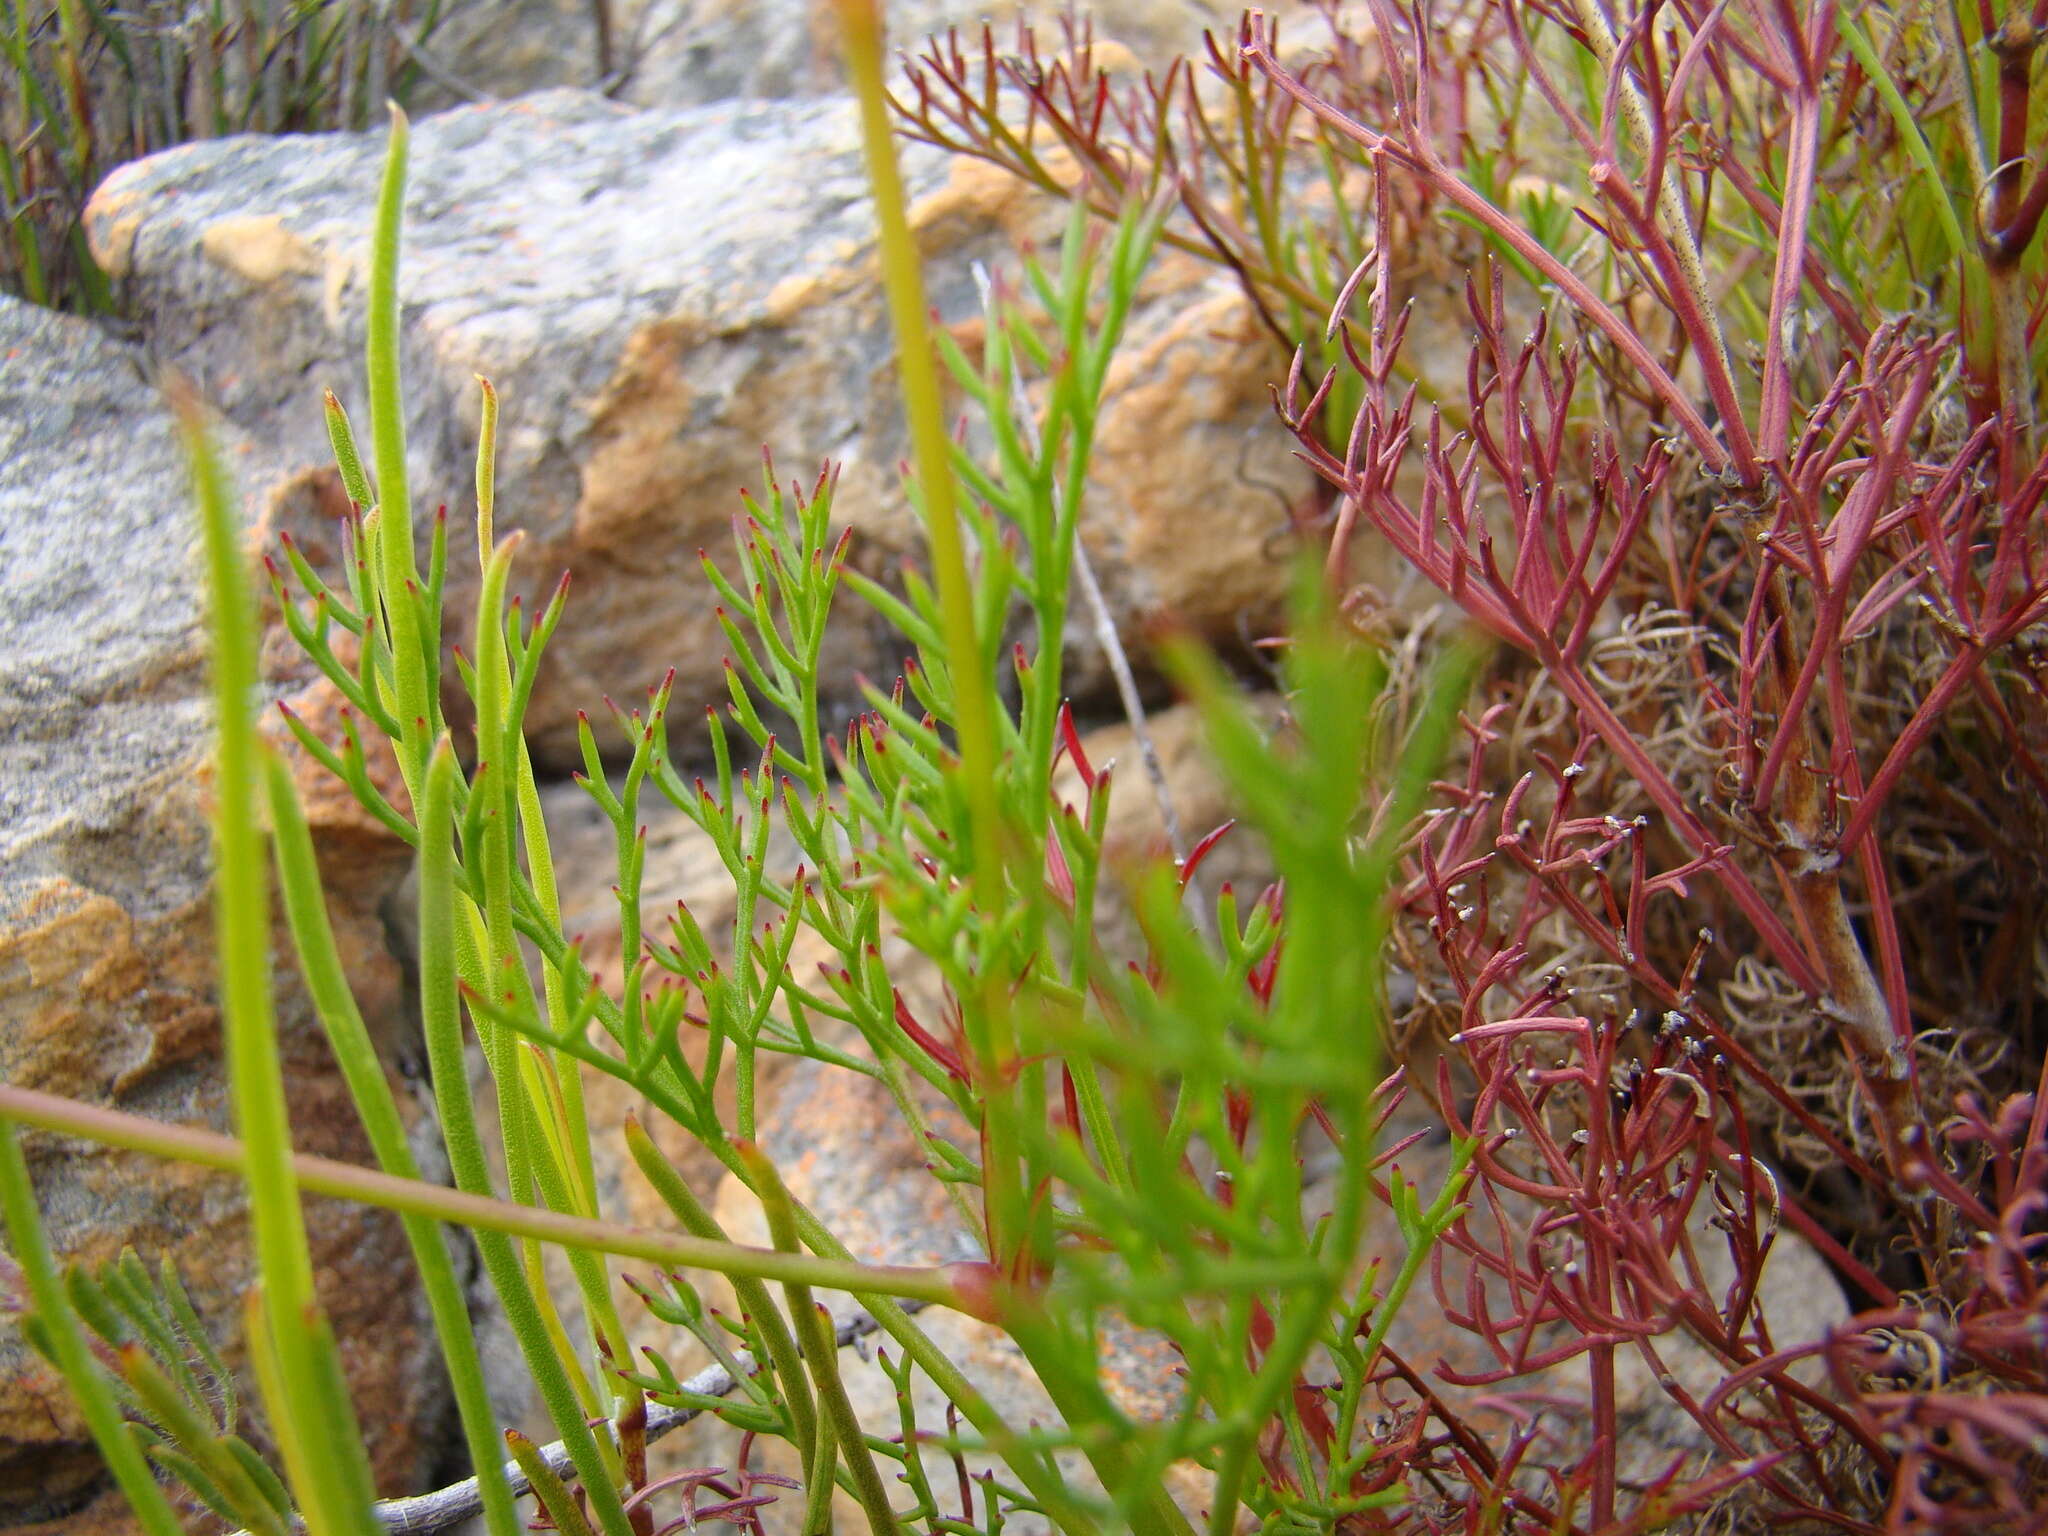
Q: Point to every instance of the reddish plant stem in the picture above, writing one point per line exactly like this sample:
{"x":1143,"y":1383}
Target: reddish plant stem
{"x":2008,"y":216}
{"x":1421,"y":161}
{"x":1806,"y":856}
{"x":1775,"y":420}
{"x":1847,"y":539}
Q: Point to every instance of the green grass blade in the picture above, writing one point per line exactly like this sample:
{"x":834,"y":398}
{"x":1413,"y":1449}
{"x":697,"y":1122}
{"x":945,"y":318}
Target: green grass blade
{"x":414,"y":672}
{"x":439,"y":1008}
{"x":320,"y":963}
{"x":31,"y":1249}
{"x":1907,"y":126}
{"x":335,"y":1489}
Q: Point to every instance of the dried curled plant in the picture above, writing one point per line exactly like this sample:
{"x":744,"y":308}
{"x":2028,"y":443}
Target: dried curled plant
{"x":1746,"y":865}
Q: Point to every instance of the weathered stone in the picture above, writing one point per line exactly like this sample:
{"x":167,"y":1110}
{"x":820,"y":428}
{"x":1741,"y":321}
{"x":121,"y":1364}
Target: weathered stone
{"x":656,"y":296}
{"x":107,"y":989}
{"x":671,"y":53}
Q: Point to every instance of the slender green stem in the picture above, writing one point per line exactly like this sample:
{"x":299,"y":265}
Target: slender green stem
{"x":345,"y":1181}
{"x":1907,"y":126}
{"x":242,"y":925}
{"x":593,"y":1281}
{"x":29,"y":255}
{"x":973,"y":692}
{"x":1034,"y":1469}
{"x":821,"y":1353}
{"x":554,"y":1495}
{"x":31,"y":1250}
{"x":486,"y":472}
{"x":332,"y":1468}
{"x":754,"y":1299}
{"x":973,"y":699}
{"x":534,"y":834}
{"x":320,"y":963}
{"x":819,"y":1481}
{"x":1082,"y":1400}
{"x":526,"y":792}
{"x":413,"y":668}
{"x":440,"y":1015}
{"x":553,"y":1164}
{"x":309,"y":1380}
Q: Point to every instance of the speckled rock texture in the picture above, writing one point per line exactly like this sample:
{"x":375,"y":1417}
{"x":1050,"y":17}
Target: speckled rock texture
{"x":658,"y":295}
{"x":672,"y":53}
{"x":106,"y":941}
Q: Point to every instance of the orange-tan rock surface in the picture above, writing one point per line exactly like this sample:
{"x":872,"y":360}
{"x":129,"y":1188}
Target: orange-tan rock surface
{"x":106,"y":930}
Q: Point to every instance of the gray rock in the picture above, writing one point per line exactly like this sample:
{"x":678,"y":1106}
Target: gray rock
{"x":107,"y":989}
{"x":658,"y":295}
{"x":672,"y":53}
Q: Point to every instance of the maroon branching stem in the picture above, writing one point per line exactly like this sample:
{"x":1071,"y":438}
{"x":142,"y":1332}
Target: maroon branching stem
{"x":1647,"y":113}
{"x":1837,"y":552}
{"x":1666,"y":236}
{"x":2015,"y":216}
{"x":1772,"y":573}
{"x":2008,"y":211}
{"x":1367,"y":478}
{"x":1802,"y":153}
{"x":1982,"y":615}
{"x":1414,"y":155}
{"x":1548,"y":597}
{"x":1966,"y":1461}
{"x":1615,"y":1259}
